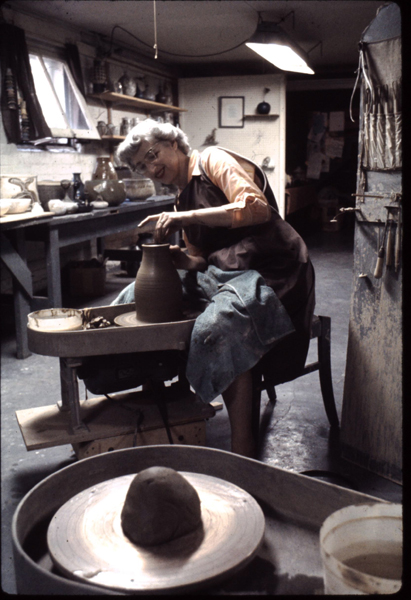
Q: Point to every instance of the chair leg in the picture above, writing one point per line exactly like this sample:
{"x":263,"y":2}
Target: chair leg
{"x":256,"y":405}
{"x":324,"y":359}
{"x":271,"y":393}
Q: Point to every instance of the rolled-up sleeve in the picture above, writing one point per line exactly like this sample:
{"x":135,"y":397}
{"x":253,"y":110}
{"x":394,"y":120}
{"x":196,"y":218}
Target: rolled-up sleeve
{"x":248,"y":204}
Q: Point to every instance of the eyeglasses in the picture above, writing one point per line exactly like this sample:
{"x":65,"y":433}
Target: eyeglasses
{"x":150,"y":157}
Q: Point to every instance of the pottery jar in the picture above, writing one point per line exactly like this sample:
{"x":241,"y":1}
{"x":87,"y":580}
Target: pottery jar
{"x":158,"y":291}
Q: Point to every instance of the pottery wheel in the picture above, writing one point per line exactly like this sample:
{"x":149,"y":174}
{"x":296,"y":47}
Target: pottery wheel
{"x":87,"y":543}
{"x":129,"y":319}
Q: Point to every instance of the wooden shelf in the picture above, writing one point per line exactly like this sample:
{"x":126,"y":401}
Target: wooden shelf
{"x":136,"y":103}
{"x":257,"y":116}
{"x":114,"y":138}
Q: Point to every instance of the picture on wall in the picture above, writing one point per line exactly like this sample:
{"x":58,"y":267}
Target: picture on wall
{"x":231,"y":111}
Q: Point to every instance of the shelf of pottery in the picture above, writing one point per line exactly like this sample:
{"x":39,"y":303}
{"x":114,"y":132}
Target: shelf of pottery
{"x":132,"y":103}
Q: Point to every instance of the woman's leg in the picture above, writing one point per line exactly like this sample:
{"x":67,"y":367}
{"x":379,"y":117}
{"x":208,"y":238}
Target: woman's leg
{"x":238,"y":399}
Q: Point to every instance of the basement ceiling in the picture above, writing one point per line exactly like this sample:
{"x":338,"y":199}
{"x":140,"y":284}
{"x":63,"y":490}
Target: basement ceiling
{"x":186,"y":30}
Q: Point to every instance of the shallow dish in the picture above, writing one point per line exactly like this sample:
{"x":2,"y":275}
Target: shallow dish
{"x":19,"y":205}
{"x":5,"y":204}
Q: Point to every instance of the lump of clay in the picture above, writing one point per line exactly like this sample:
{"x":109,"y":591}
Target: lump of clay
{"x":160,"y":505}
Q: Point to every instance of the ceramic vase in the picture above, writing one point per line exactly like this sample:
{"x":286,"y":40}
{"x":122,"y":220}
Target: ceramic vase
{"x":158,"y":291}
{"x":104,"y":169}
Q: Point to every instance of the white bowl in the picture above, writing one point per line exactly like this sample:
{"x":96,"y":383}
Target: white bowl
{"x":5,"y":204}
{"x":19,"y":205}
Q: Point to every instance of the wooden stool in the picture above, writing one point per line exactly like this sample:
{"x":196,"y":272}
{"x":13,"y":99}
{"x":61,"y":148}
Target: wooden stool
{"x":266,"y":377}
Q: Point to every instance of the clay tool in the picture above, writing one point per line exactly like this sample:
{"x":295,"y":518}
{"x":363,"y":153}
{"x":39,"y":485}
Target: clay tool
{"x":397,"y":242}
{"x":389,"y":256}
{"x":381,"y":252}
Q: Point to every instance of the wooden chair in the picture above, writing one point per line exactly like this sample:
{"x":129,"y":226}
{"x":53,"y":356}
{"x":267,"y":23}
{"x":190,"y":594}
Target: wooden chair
{"x":267,"y":374}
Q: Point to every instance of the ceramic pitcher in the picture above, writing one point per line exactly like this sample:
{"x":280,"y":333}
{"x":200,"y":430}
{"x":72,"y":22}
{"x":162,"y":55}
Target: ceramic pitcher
{"x":158,"y":290}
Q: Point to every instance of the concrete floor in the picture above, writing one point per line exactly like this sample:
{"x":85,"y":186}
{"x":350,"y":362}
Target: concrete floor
{"x":297,"y":435}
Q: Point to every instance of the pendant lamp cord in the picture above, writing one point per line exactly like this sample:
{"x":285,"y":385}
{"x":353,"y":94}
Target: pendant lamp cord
{"x":155,"y":31}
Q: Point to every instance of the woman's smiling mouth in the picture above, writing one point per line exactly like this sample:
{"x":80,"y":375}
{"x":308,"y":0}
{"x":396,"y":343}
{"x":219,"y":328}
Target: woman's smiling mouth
{"x":159,"y":172}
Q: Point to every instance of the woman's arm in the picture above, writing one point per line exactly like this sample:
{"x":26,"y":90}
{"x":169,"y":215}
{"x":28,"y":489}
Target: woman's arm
{"x":247,"y":204}
{"x":167,"y":223}
{"x":183,"y":260}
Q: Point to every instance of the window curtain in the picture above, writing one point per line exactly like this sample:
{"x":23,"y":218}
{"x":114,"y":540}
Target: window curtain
{"x":14,"y":55}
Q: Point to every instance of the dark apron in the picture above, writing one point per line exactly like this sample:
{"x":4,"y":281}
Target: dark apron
{"x":274,"y":249}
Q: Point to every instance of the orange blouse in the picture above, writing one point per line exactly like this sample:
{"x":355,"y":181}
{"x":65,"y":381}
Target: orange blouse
{"x":248,"y":204}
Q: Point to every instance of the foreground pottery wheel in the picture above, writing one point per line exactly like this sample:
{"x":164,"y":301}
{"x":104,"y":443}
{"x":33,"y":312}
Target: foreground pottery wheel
{"x":87,"y":543}
{"x":158,"y":291}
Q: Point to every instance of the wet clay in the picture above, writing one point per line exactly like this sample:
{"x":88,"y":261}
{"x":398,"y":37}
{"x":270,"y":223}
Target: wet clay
{"x":157,"y":290}
{"x":160,"y":505}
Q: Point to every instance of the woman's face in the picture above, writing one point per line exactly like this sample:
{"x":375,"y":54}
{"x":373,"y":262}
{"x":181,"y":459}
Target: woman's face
{"x":158,"y":161}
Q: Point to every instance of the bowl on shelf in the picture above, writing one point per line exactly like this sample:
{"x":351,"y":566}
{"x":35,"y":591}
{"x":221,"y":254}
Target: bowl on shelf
{"x":109,"y":190}
{"x":19,"y":205}
{"x":5,"y":204}
{"x":139,"y":189}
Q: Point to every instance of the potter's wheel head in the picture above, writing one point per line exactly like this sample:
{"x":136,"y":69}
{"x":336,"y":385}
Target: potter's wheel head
{"x":130,"y":319}
{"x":87,"y":543}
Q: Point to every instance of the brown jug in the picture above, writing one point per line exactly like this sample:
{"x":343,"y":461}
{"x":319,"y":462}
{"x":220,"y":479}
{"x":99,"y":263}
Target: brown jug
{"x":104,"y":169}
{"x":157,"y":290}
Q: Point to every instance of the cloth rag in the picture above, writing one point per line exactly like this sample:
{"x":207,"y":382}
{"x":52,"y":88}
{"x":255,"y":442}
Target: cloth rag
{"x":242,"y":321}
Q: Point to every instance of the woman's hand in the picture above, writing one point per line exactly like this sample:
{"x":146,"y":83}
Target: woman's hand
{"x":163,"y":225}
{"x":185,"y":261}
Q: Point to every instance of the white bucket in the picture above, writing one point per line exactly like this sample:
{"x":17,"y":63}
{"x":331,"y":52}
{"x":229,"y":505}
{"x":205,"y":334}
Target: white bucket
{"x":56,"y":319}
{"x":361,"y":549}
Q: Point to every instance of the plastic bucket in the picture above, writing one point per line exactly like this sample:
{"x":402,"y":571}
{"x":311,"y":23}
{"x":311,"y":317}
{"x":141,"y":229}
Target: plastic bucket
{"x":361,"y":549}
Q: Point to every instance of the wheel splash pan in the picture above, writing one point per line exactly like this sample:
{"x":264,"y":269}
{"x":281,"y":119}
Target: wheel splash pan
{"x":111,"y":340}
{"x":291,"y":501}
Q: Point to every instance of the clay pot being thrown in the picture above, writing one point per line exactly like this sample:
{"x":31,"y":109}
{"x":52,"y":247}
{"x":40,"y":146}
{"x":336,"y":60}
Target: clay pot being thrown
{"x":158,"y":291}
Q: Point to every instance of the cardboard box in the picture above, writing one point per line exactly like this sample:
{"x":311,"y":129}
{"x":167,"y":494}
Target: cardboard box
{"x":87,"y":279}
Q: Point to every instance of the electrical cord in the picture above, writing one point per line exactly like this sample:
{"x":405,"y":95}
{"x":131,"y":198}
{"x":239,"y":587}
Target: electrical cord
{"x":172,"y":53}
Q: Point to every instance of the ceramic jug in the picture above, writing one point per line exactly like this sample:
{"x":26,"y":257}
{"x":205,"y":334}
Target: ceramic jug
{"x":104,"y":169}
{"x":157,"y":290}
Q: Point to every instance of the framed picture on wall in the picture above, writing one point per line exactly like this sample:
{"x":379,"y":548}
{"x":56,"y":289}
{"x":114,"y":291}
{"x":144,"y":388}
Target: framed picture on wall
{"x":231,"y":111}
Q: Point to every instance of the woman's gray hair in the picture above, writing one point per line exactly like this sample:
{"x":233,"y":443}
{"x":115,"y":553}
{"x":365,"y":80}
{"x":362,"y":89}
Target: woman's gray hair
{"x":150,"y":131}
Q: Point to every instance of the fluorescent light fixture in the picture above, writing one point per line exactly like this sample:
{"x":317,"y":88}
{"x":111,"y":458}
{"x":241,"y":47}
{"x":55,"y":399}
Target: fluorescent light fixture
{"x":273,"y":44}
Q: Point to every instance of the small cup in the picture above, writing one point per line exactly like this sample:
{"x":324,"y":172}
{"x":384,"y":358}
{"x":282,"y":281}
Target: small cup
{"x":113,"y":129}
{"x":102,"y":127}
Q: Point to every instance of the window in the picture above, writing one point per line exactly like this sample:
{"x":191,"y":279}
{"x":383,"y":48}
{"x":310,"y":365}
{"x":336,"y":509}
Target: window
{"x":63,"y":106}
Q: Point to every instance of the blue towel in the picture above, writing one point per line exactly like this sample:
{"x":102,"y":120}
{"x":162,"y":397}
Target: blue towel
{"x":243,"y":320}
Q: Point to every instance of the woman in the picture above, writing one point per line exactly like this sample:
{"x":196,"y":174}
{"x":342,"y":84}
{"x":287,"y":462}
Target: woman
{"x":250,"y":265}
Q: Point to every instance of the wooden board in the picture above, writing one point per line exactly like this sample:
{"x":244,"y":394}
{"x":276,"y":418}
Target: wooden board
{"x":24,"y":216}
{"x":192,"y":434}
{"x":47,"y":426}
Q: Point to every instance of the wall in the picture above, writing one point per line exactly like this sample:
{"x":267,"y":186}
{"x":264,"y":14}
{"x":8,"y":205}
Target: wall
{"x":259,"y":138}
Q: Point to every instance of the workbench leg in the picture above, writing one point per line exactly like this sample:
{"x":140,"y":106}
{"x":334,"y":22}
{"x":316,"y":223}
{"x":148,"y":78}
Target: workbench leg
{"x":22,"y":303}
{"x":53,"y":269}
{"x":70,"y":399}
{"x":100,"y":246}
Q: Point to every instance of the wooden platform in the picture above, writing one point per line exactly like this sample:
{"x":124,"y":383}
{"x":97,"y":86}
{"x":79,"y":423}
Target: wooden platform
{"x":128,"y":419}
